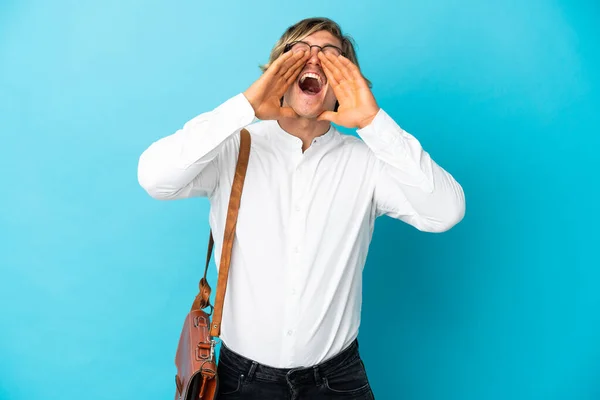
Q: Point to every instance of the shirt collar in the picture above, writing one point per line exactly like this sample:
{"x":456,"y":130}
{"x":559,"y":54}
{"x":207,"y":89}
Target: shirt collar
{"x":292,"y":142}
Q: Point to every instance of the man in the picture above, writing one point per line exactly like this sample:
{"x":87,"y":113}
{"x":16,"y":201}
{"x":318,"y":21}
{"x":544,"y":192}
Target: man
{"x":310,"y":199}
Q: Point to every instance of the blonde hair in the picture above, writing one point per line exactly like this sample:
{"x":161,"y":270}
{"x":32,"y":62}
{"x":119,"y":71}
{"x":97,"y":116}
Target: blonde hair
{"x":307,"y":27}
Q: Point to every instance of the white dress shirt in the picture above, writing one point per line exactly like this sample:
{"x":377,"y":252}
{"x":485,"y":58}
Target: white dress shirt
{"x":305,"y":223}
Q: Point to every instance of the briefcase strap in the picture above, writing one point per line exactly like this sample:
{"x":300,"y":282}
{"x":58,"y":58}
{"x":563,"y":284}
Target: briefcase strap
{"x":203,"y":298}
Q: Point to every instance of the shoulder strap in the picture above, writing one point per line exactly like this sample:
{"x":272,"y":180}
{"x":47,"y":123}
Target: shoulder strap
{"x":203,"y":298}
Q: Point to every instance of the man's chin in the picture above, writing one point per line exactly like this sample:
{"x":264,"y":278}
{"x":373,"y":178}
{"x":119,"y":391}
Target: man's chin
{"x":308,"y":115}
{"x":309,"y":112}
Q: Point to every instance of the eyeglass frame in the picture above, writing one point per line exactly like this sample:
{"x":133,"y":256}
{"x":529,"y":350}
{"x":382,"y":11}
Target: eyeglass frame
{"x":289,"y":46}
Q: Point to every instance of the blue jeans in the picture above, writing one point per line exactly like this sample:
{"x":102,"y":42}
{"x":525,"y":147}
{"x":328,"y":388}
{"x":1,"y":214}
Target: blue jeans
{"x":341,"y":377}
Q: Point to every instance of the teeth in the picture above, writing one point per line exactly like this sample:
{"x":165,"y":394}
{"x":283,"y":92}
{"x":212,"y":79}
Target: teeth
{"x":311,"y":75}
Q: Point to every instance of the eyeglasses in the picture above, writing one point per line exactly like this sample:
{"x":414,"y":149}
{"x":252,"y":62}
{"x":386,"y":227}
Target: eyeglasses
{"x":303,"y":46}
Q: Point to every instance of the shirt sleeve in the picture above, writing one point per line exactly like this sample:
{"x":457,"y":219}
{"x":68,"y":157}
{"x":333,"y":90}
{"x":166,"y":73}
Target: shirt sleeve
{"x":185,"y":163}
{"x":409,"y":185}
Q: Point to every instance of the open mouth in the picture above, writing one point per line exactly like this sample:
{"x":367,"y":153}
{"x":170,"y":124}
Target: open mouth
{"x":311,"y":83}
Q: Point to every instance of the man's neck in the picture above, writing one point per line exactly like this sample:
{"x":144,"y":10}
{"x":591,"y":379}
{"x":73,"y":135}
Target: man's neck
{"x":305,"y":129}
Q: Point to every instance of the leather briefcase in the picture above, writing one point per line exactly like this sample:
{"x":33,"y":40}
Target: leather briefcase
{"x":196,"y":377}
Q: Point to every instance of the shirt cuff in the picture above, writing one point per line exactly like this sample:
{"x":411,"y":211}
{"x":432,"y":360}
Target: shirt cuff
{"x":237,"y":111}
{"x":381,"y":132}
{"x":203,"y":135}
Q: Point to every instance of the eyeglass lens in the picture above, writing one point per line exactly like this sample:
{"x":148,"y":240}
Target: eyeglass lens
{"x":300,"y":46}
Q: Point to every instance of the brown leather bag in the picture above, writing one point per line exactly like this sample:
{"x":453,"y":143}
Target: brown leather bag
{"x":195,"y":359}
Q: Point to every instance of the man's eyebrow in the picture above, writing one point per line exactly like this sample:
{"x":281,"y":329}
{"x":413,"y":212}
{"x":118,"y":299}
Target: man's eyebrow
{"x":326,"y":44}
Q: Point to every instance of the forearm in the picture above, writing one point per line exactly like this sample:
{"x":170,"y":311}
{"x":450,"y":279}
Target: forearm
{"x":413,"y":187}
{"x":171,"y":163}
{"x":437,"y":208}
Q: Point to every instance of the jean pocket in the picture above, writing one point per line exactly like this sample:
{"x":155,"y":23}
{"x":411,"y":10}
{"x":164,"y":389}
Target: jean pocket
{"x":350,"y":380}
{"x":230,"y":381}
{"x":352,"y":390}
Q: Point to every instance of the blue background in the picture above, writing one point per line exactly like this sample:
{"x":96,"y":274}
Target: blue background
{"x":96,"y":277}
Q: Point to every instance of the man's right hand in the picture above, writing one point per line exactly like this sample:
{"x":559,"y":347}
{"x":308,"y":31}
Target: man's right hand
{"x":265,"y":94}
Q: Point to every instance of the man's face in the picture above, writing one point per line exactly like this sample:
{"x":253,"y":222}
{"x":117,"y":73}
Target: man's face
{"x":306,"y":97}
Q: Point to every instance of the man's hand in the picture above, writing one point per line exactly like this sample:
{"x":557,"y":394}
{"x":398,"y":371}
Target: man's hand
{"x":265,"y":94}
{"x":357,"y":105}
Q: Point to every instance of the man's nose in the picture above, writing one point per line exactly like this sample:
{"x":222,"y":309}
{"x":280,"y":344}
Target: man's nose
{"x":314,"y":58}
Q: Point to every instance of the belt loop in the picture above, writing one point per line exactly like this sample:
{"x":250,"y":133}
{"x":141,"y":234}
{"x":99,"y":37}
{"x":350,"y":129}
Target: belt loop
{"x":317,"y":375}
{"x":251,"y":372}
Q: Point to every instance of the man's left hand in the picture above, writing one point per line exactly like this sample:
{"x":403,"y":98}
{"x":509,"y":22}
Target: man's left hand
{"x":357,"y":104}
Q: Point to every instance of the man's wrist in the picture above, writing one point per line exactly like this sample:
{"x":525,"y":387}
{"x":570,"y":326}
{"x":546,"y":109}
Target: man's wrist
{"x":367,"y":121}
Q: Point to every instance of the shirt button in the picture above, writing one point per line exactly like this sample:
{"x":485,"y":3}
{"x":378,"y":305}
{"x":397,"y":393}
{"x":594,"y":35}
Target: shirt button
{"x":296,"y":249}
{"x":289,"y":333}
{"x":297,"y":208}
{"x":293,"y":291}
